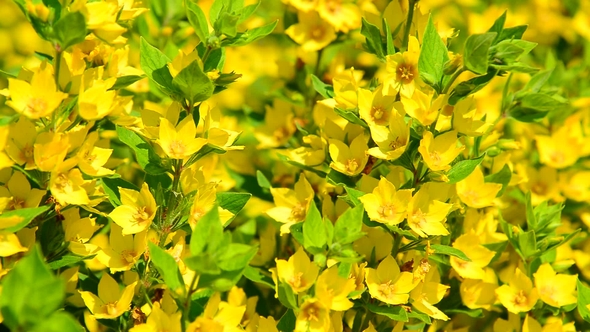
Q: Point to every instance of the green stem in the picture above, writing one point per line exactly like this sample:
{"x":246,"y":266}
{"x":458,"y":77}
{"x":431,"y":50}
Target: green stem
{"x":396,"y":244}
{"x":57,"y":68}
{"x":187,"y":302}
{"x":412,"y":5}
{"x":452,"y":80}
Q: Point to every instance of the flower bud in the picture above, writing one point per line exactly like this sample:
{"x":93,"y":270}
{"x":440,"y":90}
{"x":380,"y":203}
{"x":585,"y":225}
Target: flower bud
{"x":453,"y":64}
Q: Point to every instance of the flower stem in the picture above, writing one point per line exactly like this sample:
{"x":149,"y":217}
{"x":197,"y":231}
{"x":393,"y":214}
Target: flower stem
{"x":412,"y":5}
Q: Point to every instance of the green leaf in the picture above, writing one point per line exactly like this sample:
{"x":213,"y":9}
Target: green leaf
{"x":419,"y":315}
{"x":583,"y":300}
{"x":255,"y":274}
{"x":24,"y":215}
{"x":395,"y":313}
{"x":70,"y":29}
{"x":233,"y":202}
{"x":373,"y":36}
{"x":390,"y":48}
{"x":351,"y":116}
{"x":450,"y":251}
{"x":348,"y":226}
{"x":286,"y":296}
{"x":353,"y":196}
{"x":325,"y":90}
{"x":146,"y":157}
{"x":208,"y":233}
{"x":227,"y":24}
{"x":509,"y":51}
{"x":477,"y":48}
{"x":471,"y":86}
{"x":314,"y":232}
{"x":463,"y":169}
{"x":166,"y":266}
{"x":263,"y":182}
{"x":198,"y":21}
{"x":59,"y":322}
{"x":67,"y":260}
{"x":473,"y":313}
{"x":336,"y":178}
{"x":25,"y":299}
{"x":287,"y":322}
{"x":222,"y":282}
{"x":512,"y":32}
{"x":155,"y":65}
{"x":203,"y":263}
{"x":527,"y":242}
{"x":251,"y":35}
{"x":195,"y":85}
{"x":502,"y":177}
{"x":125,"y":81}
{"x":111,"y":188}
{"x":236,"y":256}
{"x":433,"y":57}
{"x":498,"y":25}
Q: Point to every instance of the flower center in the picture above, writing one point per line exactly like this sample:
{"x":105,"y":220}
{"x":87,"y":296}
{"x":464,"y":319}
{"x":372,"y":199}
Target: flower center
{"x":128,"y":256}
{"x":387,"y":289}
{"x":141,"y":215}
{"x":387,"y":210}
{"x":312,"y":313}
{"x":37,"y":106}
{"x":296,"y":281}
{"x":177,"y":148}
{"x":405,"y":73}
{"x":317,"y":32}
{"x":520,"y":298}
{"x":352,"y":165}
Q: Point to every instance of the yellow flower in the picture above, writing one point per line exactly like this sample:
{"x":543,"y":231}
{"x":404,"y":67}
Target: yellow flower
{"x":267,"y":325}
{"x":19,"y":145}
{"x":555,"y":289}
{"x":423,"y":106}
{"x":180,"y":142}
{"x":182,"y":60}
{"x":278,"y":125}
{"x":19,"y":193}
{"x":302,"y":5}
{"x":78,"y":231}
{"x":97,"y":101}
{"x":67,"y":184}
{"x":562,"y":148}
{"x":204,"y":201}
{"x":386,"y":204}
{"x":37,"y":99}
{"x":475,"y":192}
{"x":332,"y":290}
{"x":401,"y":71}
{"x":123,"y":250}
{"x":152,"y":113}
{"x":480,"y":256}
{"x":50,"y":149}
{"x":376,"y":240}
{"x":291,"y":205}
{"x":388,"y":284}
{"x":426,"y":215}
{"x":313,"y":317}
{"x":392,"y":143}
{"x":5,"y":161}
{"x":312,"y":33}
{"x":343,"y":15}
{"x":349,"y":160}
{"x":10,"y":244}
{"x":298,"y":272}
{"x":429,"y":292}
{"x":91,"y":158}
{"x":313,"y":155}
{"x":465,"y":118}
{"x":479,"y":293}
{"x":137,"y":210}
{"x":518,"y":295}
{"x":110,"y":302}
{"x":375,"y":107}
{"x":346,"y":86}
{"x":438,"y":152}
{"x":101,"y":18}
{"x":159,"y":321}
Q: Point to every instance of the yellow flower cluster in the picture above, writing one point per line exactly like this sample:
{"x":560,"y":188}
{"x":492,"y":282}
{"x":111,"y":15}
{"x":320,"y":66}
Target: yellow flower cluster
{"x":294,"y":165}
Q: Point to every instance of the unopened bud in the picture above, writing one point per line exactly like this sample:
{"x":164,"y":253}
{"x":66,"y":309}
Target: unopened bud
{"x":508,"y":144}
{"x":453,"y":64}
{"x":213,"y":42}
{"x":39,"y":11}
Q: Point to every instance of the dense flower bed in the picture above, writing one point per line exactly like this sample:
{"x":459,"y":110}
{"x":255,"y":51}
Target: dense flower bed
{"x":304,"y":165}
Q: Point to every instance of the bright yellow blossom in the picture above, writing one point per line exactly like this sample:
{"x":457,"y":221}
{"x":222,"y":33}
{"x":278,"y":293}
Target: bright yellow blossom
{"x":426,"y":215}
{"x":137,"y":210}
{"x":97,"y":101}
{"x":388,"y":284}
{"x":349,"y":160}
{"x":423,"y":106}
{"x":37,"y":99}
{"x":110,"y":302}
{"x":555,"y":289}
{"x":67,"y":184}
{"x":465,"y":118}
{"x":475,"y":192}
{"x":313,"y":317}
{"x":562,"y":148}
{"x":123,"y":250}
{"x":374,"y":107}
{"x":50,"y":149}
{"x":19,"y":145}
{"x":160,"y":321}
{"x":332,"y":290}
{"x":19,"y":193}
{"x":386,"y":204}
{"x":402,"y":71}
{"x":518,"y":295}
{"x":180,"y":142}
{"x":91,"y":158}
{"x":480,"y":256}
{"x":298,"y":272}
{"x":392,"y":143}
{"x":291,"y":205}
{"x":428,"y":293}
{"x":438,"y":152}
{"x":312,"y":33}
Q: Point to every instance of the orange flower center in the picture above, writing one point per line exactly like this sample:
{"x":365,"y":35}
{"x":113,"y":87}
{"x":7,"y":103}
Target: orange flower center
{"x":37,"y":106}
{"x":405,"y":73}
